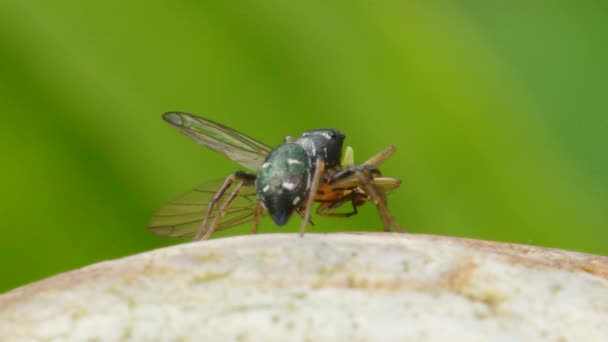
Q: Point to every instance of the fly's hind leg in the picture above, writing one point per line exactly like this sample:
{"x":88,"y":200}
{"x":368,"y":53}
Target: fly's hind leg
{"x":243,"y":178}
{"x":222,"y":210}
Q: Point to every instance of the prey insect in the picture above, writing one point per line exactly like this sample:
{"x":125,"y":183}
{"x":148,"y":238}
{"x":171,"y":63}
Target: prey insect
{"x":290,"y":179}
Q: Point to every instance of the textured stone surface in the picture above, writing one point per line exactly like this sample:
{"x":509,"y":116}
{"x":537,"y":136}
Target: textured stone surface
{"x":355,"y":287}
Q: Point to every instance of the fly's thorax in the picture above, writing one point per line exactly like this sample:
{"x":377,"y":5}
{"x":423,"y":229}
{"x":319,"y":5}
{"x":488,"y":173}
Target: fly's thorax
{"x":324,"y":144}
{"x":283,"y":181}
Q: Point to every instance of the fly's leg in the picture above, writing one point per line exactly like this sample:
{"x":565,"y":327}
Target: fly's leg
{"x":319,"y":169}
{"x":259,"y":209}
{"x":216,"y":197}
{"x":222,"y":210}
{"x":244,"y":178}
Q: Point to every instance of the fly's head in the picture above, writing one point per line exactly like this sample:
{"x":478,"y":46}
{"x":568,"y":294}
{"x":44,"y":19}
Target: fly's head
{"x":324,"y":144}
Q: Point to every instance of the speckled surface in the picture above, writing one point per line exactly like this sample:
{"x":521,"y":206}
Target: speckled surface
{"x":334,"y":287}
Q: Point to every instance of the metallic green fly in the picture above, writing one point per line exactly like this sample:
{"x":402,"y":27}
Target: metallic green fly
{"x":289,"y":179}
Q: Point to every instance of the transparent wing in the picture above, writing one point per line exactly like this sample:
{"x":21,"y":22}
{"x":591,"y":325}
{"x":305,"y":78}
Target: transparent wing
{"x":182,"y":216}
{"x":242,"y":149}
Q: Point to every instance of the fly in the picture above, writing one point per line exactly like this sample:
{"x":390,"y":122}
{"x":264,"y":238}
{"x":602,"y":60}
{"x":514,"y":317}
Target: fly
{"x":289,"y":179}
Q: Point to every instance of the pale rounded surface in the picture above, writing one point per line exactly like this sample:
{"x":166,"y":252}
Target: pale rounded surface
{"x":334,"y":287}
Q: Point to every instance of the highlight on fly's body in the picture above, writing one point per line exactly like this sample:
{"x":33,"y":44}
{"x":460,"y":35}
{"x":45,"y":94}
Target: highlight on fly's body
{"x":289,"y":178}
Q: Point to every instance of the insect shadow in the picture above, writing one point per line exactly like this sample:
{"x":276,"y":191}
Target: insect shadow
{"x":289,"y":179}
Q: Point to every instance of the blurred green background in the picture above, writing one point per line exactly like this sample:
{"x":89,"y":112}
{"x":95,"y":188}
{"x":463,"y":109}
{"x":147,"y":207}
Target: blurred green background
{"x":499,"y":113}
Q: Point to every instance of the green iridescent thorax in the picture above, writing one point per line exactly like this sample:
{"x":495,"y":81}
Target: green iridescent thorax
{"x":283,"y":181}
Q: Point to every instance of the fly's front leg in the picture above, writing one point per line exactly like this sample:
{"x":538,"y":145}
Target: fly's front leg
{"x":259,"y":210}
{"x":316,"y":178}
{"x":245,"y":179}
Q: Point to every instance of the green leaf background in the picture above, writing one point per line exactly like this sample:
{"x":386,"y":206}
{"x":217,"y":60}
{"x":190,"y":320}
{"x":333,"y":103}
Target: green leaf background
{"x":499,"y":112}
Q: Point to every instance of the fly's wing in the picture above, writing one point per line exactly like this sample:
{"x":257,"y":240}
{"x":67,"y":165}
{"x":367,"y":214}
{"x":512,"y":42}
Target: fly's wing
{"x":240,"y":148}
{"x":182,"y":216}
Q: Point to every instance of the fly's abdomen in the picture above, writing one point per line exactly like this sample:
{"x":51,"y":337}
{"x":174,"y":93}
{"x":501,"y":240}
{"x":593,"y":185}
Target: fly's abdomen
{"x":283,"y":181}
